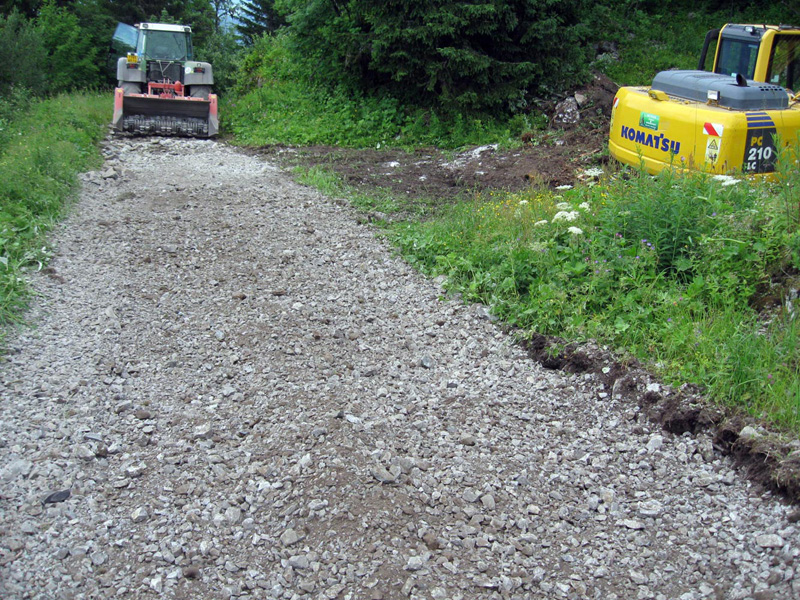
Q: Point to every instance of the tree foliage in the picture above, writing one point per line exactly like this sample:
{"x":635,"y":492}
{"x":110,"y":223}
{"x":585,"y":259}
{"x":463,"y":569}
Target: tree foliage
{"x":257,"y":17}
{"x":22,"y":55}
{"x":72,"y":59}
{"x":473,"y":54}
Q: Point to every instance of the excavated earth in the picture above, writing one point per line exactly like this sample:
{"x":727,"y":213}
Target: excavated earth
{"x":233,"y":389}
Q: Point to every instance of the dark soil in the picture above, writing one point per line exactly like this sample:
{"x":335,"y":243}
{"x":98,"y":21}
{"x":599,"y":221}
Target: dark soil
{"x":765,"y":458}
{"x":551,"y":158}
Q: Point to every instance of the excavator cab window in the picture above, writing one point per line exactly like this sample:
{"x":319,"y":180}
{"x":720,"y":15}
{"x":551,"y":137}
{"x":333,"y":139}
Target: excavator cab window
{"x":784,"y":63}
{"x":737,"y":57}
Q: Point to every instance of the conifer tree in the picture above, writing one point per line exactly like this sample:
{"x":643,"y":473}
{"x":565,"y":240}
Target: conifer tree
{"x":257,"y":17}
{"x":459,"y":54}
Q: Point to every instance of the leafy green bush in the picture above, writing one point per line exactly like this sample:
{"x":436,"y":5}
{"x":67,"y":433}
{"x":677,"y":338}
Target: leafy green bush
{"x":72,"y":60}
{"x":22,"y":55}
{"x":224,"y":52}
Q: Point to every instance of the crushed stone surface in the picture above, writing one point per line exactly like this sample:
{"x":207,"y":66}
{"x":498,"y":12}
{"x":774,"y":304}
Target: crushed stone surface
{"x":232,"y":389}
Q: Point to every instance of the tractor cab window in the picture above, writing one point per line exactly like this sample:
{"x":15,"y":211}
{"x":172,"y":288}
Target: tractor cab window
{"x":737,"y":57}
{"x":124,"y":39}
{"x":167,"y":45}
{"x":784,"y":63}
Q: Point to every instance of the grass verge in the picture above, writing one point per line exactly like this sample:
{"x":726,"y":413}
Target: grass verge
{"x":43,"y":146}
{"x":685,"y":272}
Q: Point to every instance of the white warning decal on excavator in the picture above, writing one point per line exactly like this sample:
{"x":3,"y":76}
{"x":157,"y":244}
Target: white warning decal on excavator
{"x":713,"y":146}
{"x":714,"y":129}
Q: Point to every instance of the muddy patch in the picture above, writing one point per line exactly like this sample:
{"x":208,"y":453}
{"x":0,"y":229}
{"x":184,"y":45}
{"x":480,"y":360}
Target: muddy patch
{"x":545,"y":159}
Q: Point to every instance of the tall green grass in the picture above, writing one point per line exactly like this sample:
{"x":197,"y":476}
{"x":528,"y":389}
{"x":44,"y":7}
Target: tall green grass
{"x":43,"y":146}
{"x":673,"y":270}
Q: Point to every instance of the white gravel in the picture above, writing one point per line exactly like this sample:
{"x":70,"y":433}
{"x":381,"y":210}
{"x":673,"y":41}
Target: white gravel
{"x":248,"y":395}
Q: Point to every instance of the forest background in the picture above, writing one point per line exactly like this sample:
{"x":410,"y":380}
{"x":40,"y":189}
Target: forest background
{"x":473,"y":56}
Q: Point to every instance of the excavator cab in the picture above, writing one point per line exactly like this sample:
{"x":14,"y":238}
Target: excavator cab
{"x":729,"y":119}
{"x":757,"y":52}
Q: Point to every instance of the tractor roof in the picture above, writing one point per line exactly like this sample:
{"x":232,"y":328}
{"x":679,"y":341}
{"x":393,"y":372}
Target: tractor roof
{"x":165,"y":27}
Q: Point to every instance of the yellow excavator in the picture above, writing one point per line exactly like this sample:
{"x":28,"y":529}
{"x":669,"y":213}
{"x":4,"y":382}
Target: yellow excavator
{"x":728,"y":120}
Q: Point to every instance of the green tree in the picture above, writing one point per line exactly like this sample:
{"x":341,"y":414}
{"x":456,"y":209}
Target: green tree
{"x":256,"y":17}
{"x":223,"y":51}
{"x":473,"y":54}
{"x":71,"y":57}
{"x":22,"y":55}
{"x":27,"y":8}
{"x":224,"y":11}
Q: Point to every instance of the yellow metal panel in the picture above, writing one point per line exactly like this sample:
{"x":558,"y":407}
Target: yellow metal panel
{"x":659,"y":133}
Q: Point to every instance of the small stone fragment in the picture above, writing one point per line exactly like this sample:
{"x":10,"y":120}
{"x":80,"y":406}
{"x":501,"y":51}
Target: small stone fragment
{"x":231,"y":566}
{"x":298,"y":562}
{"x":431,"y":541}
{"x":769,"y":540}
{"x":650,"y":508}
{"x":202,"y":431}
{"x":191,"y":572}
{"x":415,"y":563}
{"x":470,"y":495}
{"x":55,"y":497}
{"x":655,"y":443}
{"x":381,"y":474}
{"x":289,"y":537}
{"x":633,"y":524}
{"x":139,"y":515}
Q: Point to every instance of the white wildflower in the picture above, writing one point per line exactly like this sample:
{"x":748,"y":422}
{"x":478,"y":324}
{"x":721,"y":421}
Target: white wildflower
{"x":726,"y":179}
{"x":593,"y":173}
{"x":523,"y":202}
{"x":575,"y":230}
{"x":540,"y":223}
{"x":564,"y":187}
{"x":584,"y":206}
{"x":563,"y":206}
{"x":565,"y":215}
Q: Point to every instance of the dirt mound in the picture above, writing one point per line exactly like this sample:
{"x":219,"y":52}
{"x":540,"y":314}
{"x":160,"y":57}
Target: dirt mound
{"x":550,"y":159}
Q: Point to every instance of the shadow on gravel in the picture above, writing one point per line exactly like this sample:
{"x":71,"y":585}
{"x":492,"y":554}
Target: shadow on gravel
{"x":759,"y":454}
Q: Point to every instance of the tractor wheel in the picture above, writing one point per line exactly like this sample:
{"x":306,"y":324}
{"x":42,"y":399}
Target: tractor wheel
{"x":130,"y":87}
{"x":200,"y":91}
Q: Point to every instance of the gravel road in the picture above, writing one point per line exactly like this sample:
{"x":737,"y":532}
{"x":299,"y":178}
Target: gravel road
{"x":247,"y":395}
